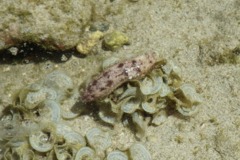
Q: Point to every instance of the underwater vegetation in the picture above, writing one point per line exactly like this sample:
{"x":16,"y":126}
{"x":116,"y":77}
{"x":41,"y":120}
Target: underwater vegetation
{"x":142,"y":86}
{"x":33,"y":127}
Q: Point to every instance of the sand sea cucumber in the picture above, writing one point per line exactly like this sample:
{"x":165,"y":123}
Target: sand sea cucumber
{"x":117,"y":74}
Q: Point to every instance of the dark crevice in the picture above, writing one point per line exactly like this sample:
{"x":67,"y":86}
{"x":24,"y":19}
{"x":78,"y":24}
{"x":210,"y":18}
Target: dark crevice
{"x":33,"y":53}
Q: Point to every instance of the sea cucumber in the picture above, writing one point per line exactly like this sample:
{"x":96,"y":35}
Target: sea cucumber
{"x":117,"y":74}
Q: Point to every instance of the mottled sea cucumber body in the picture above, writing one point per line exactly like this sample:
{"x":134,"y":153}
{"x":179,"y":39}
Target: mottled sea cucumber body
{"x":117,"y":74}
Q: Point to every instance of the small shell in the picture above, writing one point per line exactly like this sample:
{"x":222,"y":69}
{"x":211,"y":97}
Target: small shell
{"x":68,"y":107}
{"x":116,"y":107}
{"x":20,"y":152}
{"x":187,"y":95}
{"x":69,"y":115}
{"x":151,"y":85}
{"x":58,"y":81}
{"x":50,"y":156}
{"x":35,"y":87}
{"x":130,"y":91}
{"x":107,"y":116}
{"x":153,"y":104}
{"x":165,"y":90}
{"x":29,"y":154}
{"x":62,"y":129}
{"x":138,"y":120}
{"x":186,"y":99}
{"x":187,"y":111}
{"x":130,"y":105}
{"x":33,"y":99}
{"x":139,"y":152}
{"x":159,"y":117}
{"x":10,"y":126}
{"x":174,"y":74}
{"x":85,"y":153}
{"x":50,"y":109}
{"x":161,"y":103}
{"x":117,"y":155}
{"x":42,"y":141}
{"x":76,"y":139}
{"x":72,"y":138}
{"x":98,"y":139}
{"x":64,"y":152}
{"x":149,"y":105}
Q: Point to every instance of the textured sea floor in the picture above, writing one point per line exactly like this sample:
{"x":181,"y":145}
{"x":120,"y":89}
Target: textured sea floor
{"x":193,"y":35}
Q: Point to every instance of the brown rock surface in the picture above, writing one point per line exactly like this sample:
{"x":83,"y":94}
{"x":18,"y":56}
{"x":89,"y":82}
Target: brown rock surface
{"x":56,"y":24}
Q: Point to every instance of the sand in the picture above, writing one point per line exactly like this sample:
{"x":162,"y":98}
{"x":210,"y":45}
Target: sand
{"x":193,"y":35}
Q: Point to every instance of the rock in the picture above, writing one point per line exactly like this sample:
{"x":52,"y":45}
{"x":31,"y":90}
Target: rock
{"x":115,"y":40}
{"x":56,"y":25}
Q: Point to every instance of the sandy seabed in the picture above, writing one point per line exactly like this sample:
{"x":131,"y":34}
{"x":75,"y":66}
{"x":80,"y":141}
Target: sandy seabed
{"x":193,"y":35}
